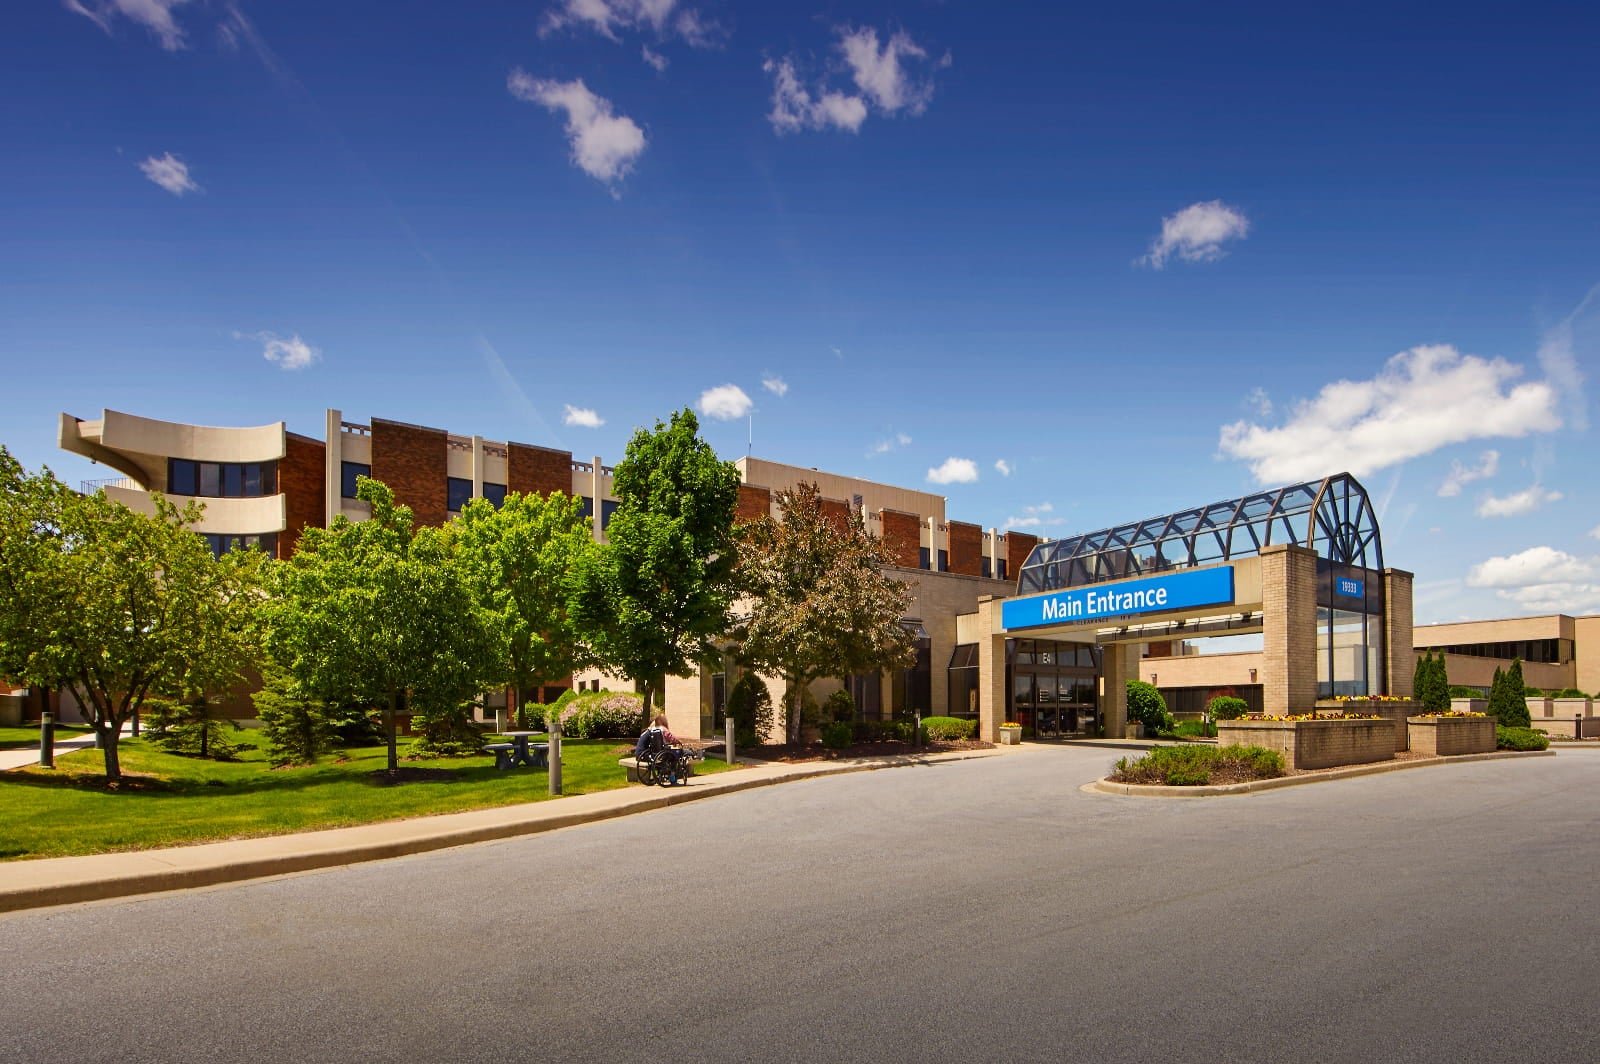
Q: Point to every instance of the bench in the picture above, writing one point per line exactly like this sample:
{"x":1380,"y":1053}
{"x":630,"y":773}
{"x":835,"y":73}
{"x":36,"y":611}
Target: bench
{"x":510,"y":755}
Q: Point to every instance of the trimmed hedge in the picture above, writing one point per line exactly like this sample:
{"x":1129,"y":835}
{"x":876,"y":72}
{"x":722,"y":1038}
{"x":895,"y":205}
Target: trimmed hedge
{"x":1227,"y":707}
{"x":1520,"y":739}
{"x":1193,"y":766}
{"x":878,"y":731}
{"x":1146,"y":706}
{"x":838,"y":734}
{"x":951,"y":729}
{"x":1465,"y":692}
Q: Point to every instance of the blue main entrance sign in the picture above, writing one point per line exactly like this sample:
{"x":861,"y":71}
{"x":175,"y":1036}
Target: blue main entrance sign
{"x":1172,"y":591}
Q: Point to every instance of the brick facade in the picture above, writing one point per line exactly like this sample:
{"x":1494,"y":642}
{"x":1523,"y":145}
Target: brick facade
{"x":836,"y":512}
{"x":754,"y":503}
{"x":534,"y":470}
{"x":966,"y":548}
{"x":902,"y":538}
{"x":1315,"y":743}
{"x":415,"y":463}
{"x":1400,"y":660}
{"x":1018,"y":546}
{"x":302,"y":479}
{"x":1288,"y":630}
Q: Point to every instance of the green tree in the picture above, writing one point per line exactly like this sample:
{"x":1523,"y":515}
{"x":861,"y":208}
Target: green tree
{"x":749,"y":706}
{"x":1431,"y":684}
{"x":379,"y":612}
{"x":114,"y":605}
{"x":656,"y":597}
{"x":298,"y":729}
{"x":1146,"y":706}
{"x":1512,"y":707}
{"x":520,"y":561}
{"x":820,"y":601}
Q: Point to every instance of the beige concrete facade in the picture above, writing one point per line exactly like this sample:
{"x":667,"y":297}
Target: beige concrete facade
{"x":1473,"y":650}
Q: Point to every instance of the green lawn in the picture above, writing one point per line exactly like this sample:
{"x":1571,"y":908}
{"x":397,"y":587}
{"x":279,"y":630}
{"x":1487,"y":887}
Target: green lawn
{"x":45,"y":813}
{"x":22,"y":738}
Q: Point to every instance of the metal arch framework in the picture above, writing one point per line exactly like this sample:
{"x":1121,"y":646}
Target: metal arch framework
{"x":1333,"y":517}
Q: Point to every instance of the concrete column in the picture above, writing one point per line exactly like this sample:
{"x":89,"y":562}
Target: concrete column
{"x":1289,"y":629}
{"x":333,"y":468}
{"x":594,"y":493}
{"x":1399,"y":657}
{"x":477,"y":467}
{"x":1119,"y":663}
{"x":991,"y":669}
{"x":885,"y":696}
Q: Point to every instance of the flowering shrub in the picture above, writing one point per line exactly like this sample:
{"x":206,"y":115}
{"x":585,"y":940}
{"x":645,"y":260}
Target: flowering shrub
{"x":1374,"y":698}
{"x":1315,"y":716}
{"x":603,"y":715}
{"x":1012,"y":724}
{"x":1453,"y":713}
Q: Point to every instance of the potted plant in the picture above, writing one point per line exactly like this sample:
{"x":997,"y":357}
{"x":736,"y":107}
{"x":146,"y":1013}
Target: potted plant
{"x":1010,"y":734}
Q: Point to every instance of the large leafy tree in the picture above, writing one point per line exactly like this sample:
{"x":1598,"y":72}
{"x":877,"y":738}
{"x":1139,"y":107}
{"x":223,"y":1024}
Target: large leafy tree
{"x":381,"y":613}
{"x":820,"y":600}
{"x":655,"y":598}
{"x":519,"y":560}
{"x":117,"y":606}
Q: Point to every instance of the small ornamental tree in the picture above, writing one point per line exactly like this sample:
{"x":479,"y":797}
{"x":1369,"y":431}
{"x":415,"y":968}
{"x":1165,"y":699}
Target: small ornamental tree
{"x":115,"y":605}
{"x":378,"y":612}
{"x":519,"y":560}
{"x":298,"y":729}
{"x":819,"y":599}
{"x":1515,"y":699}
{"x":1431,"y":685}
{"x":656,"y":597}
{"x":749,"y":706}
{"x":1146,"y":706}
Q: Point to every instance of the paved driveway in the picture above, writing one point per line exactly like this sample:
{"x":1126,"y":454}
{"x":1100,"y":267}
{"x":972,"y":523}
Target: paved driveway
{"x":973,"y":911}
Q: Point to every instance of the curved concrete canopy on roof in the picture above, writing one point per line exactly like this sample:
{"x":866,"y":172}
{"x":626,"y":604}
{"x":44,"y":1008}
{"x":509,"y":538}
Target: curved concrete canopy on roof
{"x":140,"y":446}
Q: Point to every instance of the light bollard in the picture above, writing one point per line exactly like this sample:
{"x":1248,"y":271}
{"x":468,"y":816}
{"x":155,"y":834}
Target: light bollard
{"x":47,"y":740}
{"x":555,"y":757}
{"x":727,"y":741}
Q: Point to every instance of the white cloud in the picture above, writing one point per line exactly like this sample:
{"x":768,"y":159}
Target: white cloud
{"x":153,"y":15}
{"x":1259,"y":401}
{"x":288,"y":354}
{"x":1422,"y":399}
{"x":954,"y":471}
{"x":794,"y":109}
{"x":725,"y":402}
{"x":1541,"y":580}
{"x":1488,"y":465}
{"x":1037,"y":516}
{"x":776,"y":385}
{"x":1002,"y":467}
{"x":884,"y":446}
{"x":883,"y":77}
{"x":582,"y":417}
{"x":604,"y":145}
{"x":1536,"y":565}
{"x":170,"y":172}
{"x":1518,"y":503}
{"x":654,"y":58}
{"x":1558,"y":356}
{"x":608,"y":18}
{"x":1594,"y":533}
{"x":1197,"y":233}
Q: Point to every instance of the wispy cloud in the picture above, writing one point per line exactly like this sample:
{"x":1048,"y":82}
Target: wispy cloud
{"x":654,"y":58}
{"x":1594,"y":533}
{"x":611,"y":18}
{"x":604,"y":145}
{"x":954,"y":471}
{"x":154,"y":15}
{"x":1197,"y":233}
{"x":1002,"y":467}
{"x":170,"y":172}
{"x":890,"y":443}
{"x":1460,"y":475}
{"x":776,"y":385}
{"x":286,"y":352}
{"x":1035,"y":517}
{"x":580,"y":416}
{"x":726,"y":402}
{"x":1259,"y":401}
{"x":1422,"y":399}
{"x":1558,"y":356}
{"x":890,"y":77}
{"x":1523,"y":502}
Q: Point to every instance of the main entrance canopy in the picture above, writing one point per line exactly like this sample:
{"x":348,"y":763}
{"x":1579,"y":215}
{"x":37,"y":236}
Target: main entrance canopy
{"x":1333,"y":517}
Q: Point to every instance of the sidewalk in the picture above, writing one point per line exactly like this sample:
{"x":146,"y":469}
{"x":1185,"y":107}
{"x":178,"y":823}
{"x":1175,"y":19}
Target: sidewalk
{"x":29,"y":755}
{"x":65,"y":880}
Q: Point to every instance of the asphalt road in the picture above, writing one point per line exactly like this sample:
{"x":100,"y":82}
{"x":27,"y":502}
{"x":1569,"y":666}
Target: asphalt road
{"x":975,"y":911}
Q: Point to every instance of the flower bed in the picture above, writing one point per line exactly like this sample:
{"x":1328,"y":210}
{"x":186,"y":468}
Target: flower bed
{"x":1390,"y":707}
{"x":1451,"y":733}
{"x":1315,"y":741}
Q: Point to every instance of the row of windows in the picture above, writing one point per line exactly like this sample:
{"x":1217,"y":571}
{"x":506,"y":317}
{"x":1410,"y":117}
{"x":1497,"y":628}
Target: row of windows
{"x":925,"y":559}
{"x":1545,"y":651}
{"x":221,"y":543}
{"x":221,"y":480}
{"x":458,"y":490}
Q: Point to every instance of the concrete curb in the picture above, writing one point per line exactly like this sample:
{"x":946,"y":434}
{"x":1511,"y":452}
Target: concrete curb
{"x":68,"y":880}
{"x":1149,"y":790}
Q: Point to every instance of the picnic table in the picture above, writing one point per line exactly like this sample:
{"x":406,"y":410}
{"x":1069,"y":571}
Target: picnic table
{"x":519,"y":751}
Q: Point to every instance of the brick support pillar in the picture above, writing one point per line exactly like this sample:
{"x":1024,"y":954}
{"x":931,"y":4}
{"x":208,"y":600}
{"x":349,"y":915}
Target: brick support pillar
{"x":1119,"y":663}
{"x":1399,"y":658}
{"x":991,"y":669}
{"x":1288,"y":629}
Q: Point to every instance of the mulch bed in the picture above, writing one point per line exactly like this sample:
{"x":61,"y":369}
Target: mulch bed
{"x":792,"y":752}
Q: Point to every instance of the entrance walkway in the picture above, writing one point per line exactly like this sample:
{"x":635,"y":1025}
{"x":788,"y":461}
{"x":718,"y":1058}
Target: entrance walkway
{"x":29,"y":755}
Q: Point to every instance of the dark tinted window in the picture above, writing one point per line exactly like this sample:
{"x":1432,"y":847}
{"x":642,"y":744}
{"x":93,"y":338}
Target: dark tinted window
{"x":210,"y":480}
{"x":944,"y":561}
{"x":182,"y":477}
{"x":608,"y":509}
{"x":348,"y":473}
{"x":922,"y":558}
{"x":233,"y":480}
{"x":458,"y":492}
{"x":495,"y":493}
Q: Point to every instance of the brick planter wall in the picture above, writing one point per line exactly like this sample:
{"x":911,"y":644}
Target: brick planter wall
{"x":1443,"y":736}
{"x":1399,"y":712}
{"x":1572,"y":707}
{"x":1315,"y":743}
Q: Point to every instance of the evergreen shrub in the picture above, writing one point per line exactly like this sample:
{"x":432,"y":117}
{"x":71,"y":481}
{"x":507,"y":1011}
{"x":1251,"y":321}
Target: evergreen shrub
{"x":949,"y":728}
{"x":1227,"y":707}
{"x":839,"y":706}
{"x":838,"y":734}
{"x":1519,"y":739}
{"x":1146,"y":706}
{"x":750,"y":707}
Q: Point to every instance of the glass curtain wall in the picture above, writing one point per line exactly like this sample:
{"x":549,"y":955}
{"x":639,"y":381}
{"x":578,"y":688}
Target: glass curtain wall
{"x":1051,"y":687}
{"x":1350,"y":631}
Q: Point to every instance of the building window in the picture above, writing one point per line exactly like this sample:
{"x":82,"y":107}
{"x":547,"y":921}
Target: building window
{"x":1001,"y":563}
{"x":988,"y":567}
{"x":458,"y":492}
{"x":944,"y":561}
{"x":608,"y":510}
{"x":221,"y":480}
{"x":495,"y":493}
{"x":588,"y":505}
{"x":348,"y":473}
{"x":922,"y":558}
{"x":222,"y":542}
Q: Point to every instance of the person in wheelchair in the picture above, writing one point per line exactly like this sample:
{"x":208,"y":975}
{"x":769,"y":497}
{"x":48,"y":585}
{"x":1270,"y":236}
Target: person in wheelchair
{"x":661,"y":756}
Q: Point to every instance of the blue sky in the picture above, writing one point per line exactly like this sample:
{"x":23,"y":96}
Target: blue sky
{"x":1068,"y":266}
